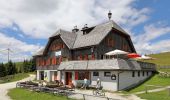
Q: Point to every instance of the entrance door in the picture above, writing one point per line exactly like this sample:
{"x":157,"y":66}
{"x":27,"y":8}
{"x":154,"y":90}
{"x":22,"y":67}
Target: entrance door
{"x":68,"y":78}
{"x":42,"y":75}
{"x":55,"y":76}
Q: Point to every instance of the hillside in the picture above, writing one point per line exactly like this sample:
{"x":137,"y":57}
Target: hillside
{"x":162,"y":59}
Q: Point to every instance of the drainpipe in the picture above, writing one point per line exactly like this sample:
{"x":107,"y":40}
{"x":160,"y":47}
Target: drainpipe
{"x":118,"y":79}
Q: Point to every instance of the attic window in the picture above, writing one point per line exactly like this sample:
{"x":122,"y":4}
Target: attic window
{"x":87,"y":30}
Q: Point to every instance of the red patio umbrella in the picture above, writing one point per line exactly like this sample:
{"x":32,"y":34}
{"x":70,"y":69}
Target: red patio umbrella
{"x":133,"y":55}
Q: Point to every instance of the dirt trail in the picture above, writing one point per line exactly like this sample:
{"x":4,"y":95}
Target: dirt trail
{"x":6,"y":86}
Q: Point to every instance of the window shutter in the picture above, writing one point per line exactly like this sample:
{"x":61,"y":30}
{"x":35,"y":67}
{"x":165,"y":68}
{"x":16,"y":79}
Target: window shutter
{"x":86,"y":57}
{"x":93,"y":56}
{"x":108,"y":42}
{"x":63,"y":46}
{"x":81,"y":57}
{"x":54,"y":60}
{"x":76,"y":75}
{"x":57,"y":61}
{"x":49,"y":61}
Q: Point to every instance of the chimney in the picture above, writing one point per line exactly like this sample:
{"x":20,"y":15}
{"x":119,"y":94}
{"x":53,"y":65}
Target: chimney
{"x":84,"y":29}
{"x":75,"y":29}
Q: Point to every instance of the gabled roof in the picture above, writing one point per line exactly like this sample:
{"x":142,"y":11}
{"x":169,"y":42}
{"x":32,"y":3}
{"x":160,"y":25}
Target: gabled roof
{"x":66,"y":36}
{"x":39,"y":53}
{"x":94,"y":37}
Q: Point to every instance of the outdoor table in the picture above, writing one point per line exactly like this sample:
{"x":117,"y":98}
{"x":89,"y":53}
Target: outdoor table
{"x":28,"y":86}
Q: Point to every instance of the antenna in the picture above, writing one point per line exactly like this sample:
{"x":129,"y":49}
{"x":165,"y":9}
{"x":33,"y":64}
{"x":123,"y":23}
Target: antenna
{"x":8,"y":51}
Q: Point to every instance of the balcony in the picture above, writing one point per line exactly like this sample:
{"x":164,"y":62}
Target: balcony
{"x":147,"y":66}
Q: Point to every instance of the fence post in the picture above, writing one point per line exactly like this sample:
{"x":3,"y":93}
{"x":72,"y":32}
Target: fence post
{"x":146,"y":91}
{"x":169,"y":90}
{"x":83,"y":97}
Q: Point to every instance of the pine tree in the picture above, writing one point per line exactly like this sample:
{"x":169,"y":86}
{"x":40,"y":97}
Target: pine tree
{"x":11,"y":68}
{"x":2,"y":70}
{"x":32,"y":65}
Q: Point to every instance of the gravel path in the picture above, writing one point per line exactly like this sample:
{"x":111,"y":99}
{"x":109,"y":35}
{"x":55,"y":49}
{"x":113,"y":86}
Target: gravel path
{"x":153,"y":90}
{"x":114,"y":96}
{"x":6,"y":86}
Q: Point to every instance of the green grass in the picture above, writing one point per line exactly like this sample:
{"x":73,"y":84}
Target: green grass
{"x":155,"y":80}
{"x":23,"y":94}
{"x":12,"y":78}
{"x":162,"y":95}
{"x":160,"y":59}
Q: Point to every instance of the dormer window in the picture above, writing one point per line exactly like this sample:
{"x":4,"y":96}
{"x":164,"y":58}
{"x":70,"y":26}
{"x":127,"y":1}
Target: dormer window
{"x":86,"y":29}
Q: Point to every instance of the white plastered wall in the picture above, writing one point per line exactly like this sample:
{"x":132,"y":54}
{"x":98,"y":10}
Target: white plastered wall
{"x":126,"y":79}
{"x":106,"y":82}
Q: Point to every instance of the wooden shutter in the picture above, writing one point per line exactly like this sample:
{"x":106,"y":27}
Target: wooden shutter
{"x":63,"y":46}
{"x":54,"y":60}
{"x":86,"y":57}
{"x":81,"y":57}
{"x":93,"y":56}
{"x":76,"y":75}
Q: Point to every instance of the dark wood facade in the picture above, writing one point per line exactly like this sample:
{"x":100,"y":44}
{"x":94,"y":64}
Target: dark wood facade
{"x":114,"y":40}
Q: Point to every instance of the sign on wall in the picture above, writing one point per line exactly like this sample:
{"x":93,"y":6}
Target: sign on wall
{"x":58,"y":53}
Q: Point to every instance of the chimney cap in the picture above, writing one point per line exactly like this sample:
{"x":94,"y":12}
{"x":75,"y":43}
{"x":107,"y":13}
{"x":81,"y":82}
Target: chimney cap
{"x":75,"y":29}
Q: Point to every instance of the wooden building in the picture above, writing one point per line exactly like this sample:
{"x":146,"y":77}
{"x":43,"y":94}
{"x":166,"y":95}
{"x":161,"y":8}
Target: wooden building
{"x":72,"y":56}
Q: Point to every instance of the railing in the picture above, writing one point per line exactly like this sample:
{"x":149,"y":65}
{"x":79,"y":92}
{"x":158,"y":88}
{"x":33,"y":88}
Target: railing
{"x":164,"y":66}
{"x":146,"y":65}
{"x":69,"y":93}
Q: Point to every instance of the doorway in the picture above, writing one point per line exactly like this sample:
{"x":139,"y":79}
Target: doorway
{"x":42,"y":75}
{"x":68,"y":78}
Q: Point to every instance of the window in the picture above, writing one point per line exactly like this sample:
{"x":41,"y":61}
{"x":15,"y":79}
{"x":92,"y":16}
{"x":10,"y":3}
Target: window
{"x":107,"y":74}
{"x":147,"y":73}
{"x":89,"y":57}
{"x":82,"y":75}
{"x":58,"y":53}
{"x":79,"y":57}
{"x":133,"y":74}
{"x":102,"y":56}
{"x":95,"y":73}
{"x":138,"y":73}
{"x":143,"y":73}
{"x":110,"y":42}
{"x":86,"y":57}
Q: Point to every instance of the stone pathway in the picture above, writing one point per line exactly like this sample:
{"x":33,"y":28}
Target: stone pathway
{"x":6,"y":86}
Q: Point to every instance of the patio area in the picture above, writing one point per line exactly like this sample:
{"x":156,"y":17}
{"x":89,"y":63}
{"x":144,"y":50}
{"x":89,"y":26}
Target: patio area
{"x":72,"y":92}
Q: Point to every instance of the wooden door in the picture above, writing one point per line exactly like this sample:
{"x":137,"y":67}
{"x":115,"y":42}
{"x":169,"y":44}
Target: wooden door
{"x":68,"y":78}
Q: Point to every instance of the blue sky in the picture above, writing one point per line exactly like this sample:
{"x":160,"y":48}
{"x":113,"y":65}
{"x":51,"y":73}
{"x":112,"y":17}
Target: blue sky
{"x":25,"y":25}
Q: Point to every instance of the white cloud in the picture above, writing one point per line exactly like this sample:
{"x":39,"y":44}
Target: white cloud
{"x":143,"y":41}
{"x":153,"y":31}
{"x":41,"y":18}
{"x":20,"y":50}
